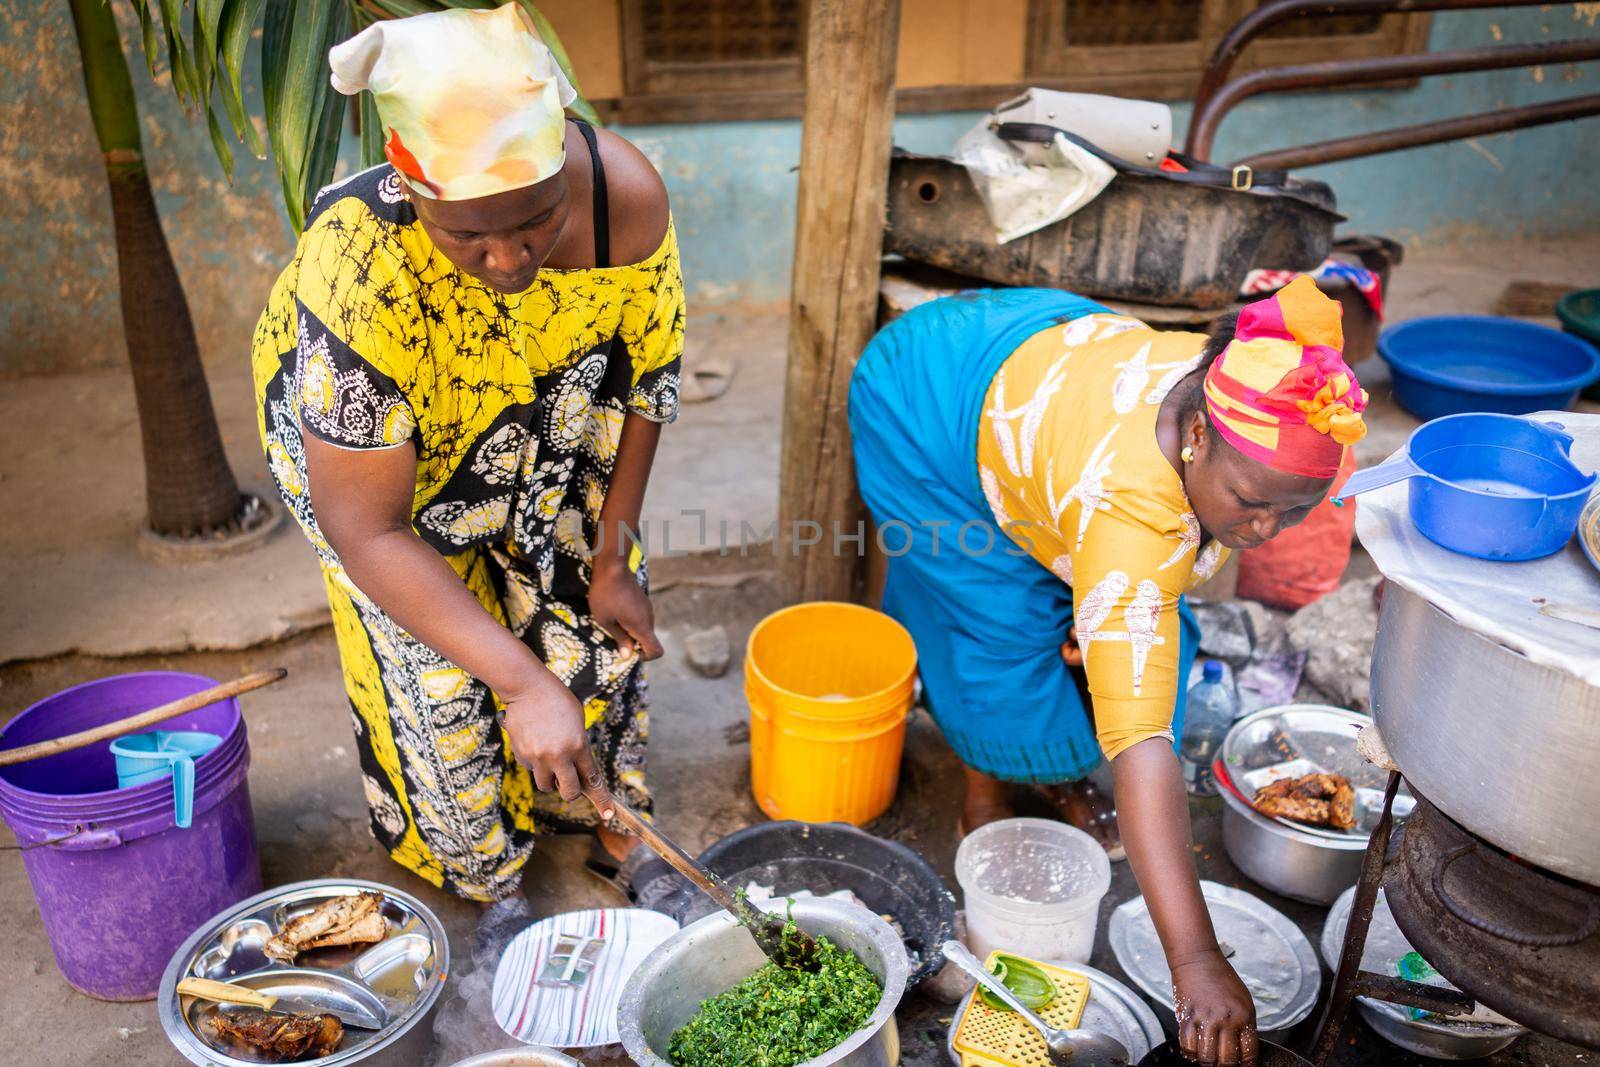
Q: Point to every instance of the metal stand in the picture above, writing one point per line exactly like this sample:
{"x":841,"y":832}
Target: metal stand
{"x":1351,"y":981}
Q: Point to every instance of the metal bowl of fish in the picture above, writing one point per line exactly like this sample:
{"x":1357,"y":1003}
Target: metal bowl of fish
{"x":1300,"y":743}
{"x":369,"y":956}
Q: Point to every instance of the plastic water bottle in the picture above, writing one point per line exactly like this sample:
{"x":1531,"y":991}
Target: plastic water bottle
{"x":1210,"y":712}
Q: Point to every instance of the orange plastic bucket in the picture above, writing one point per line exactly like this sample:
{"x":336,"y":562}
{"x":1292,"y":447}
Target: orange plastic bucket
{"x":829,"y":687}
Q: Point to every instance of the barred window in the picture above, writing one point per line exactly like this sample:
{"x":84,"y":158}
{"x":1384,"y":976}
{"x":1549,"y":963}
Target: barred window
{"x":1157,"y":48}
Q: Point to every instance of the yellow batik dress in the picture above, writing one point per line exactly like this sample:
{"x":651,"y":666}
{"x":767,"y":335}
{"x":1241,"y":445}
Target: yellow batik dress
{"x":1068,"y":458}
{"x":372,"y":339}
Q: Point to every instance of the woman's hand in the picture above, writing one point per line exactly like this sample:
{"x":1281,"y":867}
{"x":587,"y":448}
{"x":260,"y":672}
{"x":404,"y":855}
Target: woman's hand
{"x":545,"y":722}
{"x":619,"y":605}
{"x":1216,"y":1017}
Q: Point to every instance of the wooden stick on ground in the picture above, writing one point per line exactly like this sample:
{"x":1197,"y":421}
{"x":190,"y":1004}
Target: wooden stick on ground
{"x":193,"y":702}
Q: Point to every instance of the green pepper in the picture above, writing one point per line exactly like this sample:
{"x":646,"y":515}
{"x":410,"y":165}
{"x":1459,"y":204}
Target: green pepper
{"x":1026,"y":981}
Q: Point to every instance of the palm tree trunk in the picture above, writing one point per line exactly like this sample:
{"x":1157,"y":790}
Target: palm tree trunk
{"x":189,"y":487}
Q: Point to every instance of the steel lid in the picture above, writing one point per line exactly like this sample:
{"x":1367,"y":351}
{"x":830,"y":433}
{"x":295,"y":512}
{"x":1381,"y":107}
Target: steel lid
{"x":1273,"y":958}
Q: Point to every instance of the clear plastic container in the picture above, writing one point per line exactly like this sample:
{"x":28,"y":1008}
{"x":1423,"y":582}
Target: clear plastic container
{"x":1032,"y":887}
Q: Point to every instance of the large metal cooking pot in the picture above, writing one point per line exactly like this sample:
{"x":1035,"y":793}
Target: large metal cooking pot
{"x":1508,"y":748}
{"x":713,"y":955}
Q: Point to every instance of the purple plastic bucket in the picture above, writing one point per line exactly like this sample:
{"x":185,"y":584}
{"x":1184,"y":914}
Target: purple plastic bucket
{"x":119,"y":886}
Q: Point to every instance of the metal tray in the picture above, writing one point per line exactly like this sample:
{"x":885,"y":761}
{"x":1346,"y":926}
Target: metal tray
{"x":1273,"y":958}
{"x":1113,"y":1009}
{"x":396,"y":981}
{"x":1292,"y":740}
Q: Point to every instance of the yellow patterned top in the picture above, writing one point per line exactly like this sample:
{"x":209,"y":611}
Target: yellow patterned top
{"x":372,"y":338}
{"x":1069,"y":462}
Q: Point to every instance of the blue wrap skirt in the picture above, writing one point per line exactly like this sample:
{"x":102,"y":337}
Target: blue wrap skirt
{"x":988,"y":619}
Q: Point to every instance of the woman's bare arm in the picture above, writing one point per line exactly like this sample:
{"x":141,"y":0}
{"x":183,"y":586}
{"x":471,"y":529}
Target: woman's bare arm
{"x":1216,"y":1016}
{"x":363,"y":503}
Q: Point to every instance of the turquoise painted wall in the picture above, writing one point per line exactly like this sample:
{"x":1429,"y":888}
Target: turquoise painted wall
{"x":732,"y":184}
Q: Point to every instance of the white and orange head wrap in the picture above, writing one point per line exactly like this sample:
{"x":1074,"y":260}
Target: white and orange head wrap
{"x":1281,"y":392}
{"x":471,"y":101}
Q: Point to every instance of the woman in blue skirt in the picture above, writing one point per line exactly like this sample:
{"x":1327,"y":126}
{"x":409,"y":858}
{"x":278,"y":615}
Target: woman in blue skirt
{"x":1048,"y":479}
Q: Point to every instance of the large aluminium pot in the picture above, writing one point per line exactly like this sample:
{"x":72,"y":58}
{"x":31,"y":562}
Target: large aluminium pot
{"x":711,"y":956}
{"x":1505,"y":746}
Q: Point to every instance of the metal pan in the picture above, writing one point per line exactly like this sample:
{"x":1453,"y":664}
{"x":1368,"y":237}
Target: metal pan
{"x":397,"y":981}
{"x":1292,"y":740}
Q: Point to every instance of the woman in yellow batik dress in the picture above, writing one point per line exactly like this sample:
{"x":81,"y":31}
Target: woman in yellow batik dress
{"x":452,"y":327}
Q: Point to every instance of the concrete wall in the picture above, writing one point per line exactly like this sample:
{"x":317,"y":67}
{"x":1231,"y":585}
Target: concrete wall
{"x":732,"y":184}
{"x":58,"y":274}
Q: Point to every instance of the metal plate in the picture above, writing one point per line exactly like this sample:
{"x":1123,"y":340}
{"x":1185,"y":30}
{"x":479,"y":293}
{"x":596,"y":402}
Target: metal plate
{"x":1429,"y":1035}
{"x":1113,"y":1009}
{"x":398,"y":980}
{"x":1293,"y":740}
{"x":1273,"y":958}
{"x":583,"y":1015}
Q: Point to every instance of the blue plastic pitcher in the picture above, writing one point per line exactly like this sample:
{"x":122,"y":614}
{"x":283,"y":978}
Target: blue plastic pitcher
{"x":151,"y":756}
{"x":1498,"y":487}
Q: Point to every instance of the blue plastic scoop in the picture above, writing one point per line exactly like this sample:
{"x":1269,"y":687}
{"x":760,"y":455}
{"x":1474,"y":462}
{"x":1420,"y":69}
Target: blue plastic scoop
{"x":151,"y":756}
{"x":1498,"y":487}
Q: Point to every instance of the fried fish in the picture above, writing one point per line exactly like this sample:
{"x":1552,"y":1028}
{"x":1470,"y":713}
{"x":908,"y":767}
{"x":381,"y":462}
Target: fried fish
{"x":344,"y":920}
{"x":1314,"y":799}
{"x":280,"y":1035}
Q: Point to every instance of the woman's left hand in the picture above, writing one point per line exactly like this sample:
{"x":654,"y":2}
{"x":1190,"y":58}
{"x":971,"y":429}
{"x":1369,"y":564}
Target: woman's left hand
{"x":619,"y":606}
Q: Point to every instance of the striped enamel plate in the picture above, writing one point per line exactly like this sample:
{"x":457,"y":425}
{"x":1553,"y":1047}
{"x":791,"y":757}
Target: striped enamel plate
{"x":574,"y":1016}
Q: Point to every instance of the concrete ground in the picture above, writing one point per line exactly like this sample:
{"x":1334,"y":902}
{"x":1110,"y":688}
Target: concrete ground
{"x":81,"y":604}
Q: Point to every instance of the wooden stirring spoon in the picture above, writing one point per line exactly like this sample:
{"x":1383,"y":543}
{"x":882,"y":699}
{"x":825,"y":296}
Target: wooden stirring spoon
{"x":794,"y":949}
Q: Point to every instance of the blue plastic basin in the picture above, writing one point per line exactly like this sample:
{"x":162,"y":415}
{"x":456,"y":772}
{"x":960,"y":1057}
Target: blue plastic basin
{"x":1451,"y":364}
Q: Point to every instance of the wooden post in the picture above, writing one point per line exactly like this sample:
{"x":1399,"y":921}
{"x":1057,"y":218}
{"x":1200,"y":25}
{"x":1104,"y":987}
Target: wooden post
{"x":844,"y":178}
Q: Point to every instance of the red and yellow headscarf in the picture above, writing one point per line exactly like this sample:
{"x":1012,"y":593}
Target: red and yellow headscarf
{"x":1281,"y":392}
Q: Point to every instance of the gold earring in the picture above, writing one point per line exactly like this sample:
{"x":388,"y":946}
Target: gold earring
{"x":1187,"y":455}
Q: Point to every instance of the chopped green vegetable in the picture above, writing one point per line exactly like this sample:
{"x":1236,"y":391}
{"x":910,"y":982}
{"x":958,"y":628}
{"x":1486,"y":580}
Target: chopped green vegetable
{"x":1031,"y":985}
{"x":778,"y":1017}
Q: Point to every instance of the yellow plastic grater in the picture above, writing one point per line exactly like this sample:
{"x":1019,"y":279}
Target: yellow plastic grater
{"x":989,"y":1038}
